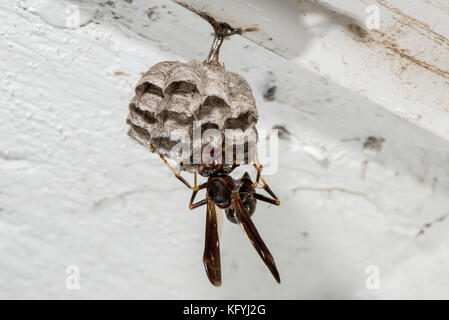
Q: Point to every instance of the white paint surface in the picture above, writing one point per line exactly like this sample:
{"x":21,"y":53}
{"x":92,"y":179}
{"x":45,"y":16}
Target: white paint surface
{"x":402,"y":66}
{"x":74,"y":190}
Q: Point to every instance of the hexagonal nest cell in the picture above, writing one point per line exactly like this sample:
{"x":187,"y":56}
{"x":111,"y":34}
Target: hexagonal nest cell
{"x":171,"y":96}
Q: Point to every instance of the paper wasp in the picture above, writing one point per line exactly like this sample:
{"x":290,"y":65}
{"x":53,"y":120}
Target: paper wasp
{"x":238,"y":198}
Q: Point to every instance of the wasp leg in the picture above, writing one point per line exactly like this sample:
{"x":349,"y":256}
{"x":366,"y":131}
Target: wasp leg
{"x":259,"y":168}
{"x":198,"y":204}
{"x":194,"y":193}
{"x":235,"y":163}
{"x":271,"y":193}
{"x":265,"y":186}
{"x":265,"y":199}
{"x":177,"y":175}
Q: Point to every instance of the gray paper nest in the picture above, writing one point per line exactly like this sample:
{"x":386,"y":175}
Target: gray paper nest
{"x":171,"y":95}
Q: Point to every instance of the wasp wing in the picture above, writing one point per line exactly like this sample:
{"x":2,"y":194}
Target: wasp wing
{"x":211,"y":255}
{"x":253,"y":235}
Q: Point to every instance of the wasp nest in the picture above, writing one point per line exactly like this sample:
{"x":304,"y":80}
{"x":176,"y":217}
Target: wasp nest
{"x":172,"y":97}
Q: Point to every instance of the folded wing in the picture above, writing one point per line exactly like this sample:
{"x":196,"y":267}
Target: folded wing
{"x":253,"y":235}
{"x":211,"y":255}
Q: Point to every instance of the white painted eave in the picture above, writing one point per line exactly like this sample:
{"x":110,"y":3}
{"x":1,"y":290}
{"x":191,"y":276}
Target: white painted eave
{"x":403,"y":66}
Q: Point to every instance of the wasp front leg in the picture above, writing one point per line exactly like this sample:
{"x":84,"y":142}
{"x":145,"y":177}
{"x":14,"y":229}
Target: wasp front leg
{"x":177,"y":175}
{"x":194,"y":193}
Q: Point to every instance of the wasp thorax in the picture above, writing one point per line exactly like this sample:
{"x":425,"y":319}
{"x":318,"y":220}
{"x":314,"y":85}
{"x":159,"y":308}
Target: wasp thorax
{"x":182,"y":108}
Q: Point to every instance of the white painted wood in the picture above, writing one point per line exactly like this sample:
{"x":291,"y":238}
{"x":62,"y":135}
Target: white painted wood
{"x":74,"y":190}
{"x":403,"y":66}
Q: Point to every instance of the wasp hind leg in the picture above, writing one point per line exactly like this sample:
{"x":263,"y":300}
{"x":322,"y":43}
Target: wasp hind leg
{"x":275,"y":200}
